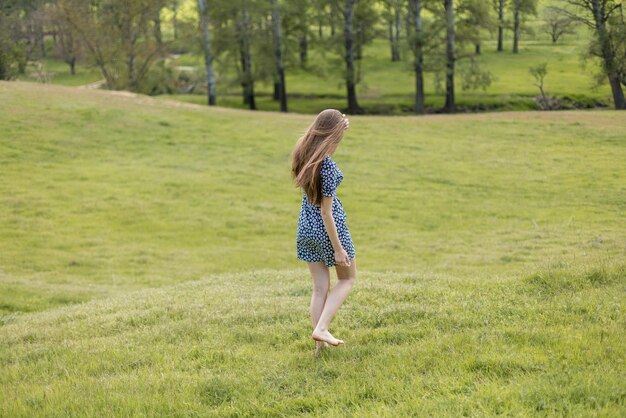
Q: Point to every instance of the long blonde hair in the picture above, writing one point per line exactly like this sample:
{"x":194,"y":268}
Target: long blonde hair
{"x":321,"y":139}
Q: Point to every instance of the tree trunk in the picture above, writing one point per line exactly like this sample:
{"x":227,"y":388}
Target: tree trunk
{"x":208,"y":54}
{"x":398,"y":25}
{"x":278,"y":55}
{"x":276,"y":95}
{"x":304,"y":50}
{"x":419,"y":56}
{"x":40,"y":39}
{"x":157,"y":31}
{"x":320,"y":23}
{"x":353,"y":106}
{"x":175,"y":18}
{"x":450,"y":56}
{"x":129,"y":41}
{"x":394,"y":32}
{"x":358,"y":43}
{"x":477,"y":48}
{"x":616,"y":89}
{"x":608,"y":55}
{"x":500,"y":26}
{"x":516,"y":26}
{"x":246,"y":61}
{"x":244,"y":81}
{"x":391,"y":41}
{"x":67,"y":45}
{"x":334,"y":11}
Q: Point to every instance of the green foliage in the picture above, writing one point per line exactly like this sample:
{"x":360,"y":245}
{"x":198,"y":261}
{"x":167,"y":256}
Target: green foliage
{"x":117,"y":36}
{"x":12,"y":50}
{"x":161,"y":78}
{"x":474,"y":77}
{"x":539,"y":73}
{"x":8,"y":57}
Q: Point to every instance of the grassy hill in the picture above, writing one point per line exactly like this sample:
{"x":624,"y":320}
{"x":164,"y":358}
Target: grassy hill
{"x":491,"y":248}
{"x":238,"y":345}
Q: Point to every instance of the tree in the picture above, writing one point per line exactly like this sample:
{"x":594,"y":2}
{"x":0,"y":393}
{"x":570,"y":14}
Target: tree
{"x":557,"y":23}
{"x":520,"y":9}
{"x":450,"y":105}
{"x":415,"y":7}
{"x":539,"y":73}
{"x":455,"y":33}
{"x":393,"y":15}
{"x":67,"y":44}
{"x":360,"y":20}
{"x":116,"y":35}
{"x":174,"y":6}
{"x":243,"y":44}
{"x":475,"y":17}
{"x":500,"y":9}
{"x":321,"y":16}
{"x":158,"y":35}
{"x":296,"y":21}
{"x":208,"y":53}
{"x":349,"y":41}
{"x":244,"y":38}
{"x":278,"y":54}
{"x":609,"y":44}
{"x":12,"y":45}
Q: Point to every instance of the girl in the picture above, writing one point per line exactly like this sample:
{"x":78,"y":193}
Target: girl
{"x":323,"y":239}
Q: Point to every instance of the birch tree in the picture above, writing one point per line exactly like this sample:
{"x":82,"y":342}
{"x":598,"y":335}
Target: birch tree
{"x":521,"y":8}
{"x":208,"y":53}
{"x":393,"y":15}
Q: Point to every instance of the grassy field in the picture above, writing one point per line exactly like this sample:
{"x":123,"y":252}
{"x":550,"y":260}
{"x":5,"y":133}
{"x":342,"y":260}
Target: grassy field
{"x":147,"y":262}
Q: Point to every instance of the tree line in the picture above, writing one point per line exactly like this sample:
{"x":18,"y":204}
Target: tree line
{"x":259,"y":40}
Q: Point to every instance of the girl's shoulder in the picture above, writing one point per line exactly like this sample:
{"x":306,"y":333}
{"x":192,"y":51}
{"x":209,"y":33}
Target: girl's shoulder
{"x":329,"y":163}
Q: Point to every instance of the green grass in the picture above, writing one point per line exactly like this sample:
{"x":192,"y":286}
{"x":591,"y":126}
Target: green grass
{"x":147,"y":262}
{"x":58,"y":72}
{"x":238,"y":345}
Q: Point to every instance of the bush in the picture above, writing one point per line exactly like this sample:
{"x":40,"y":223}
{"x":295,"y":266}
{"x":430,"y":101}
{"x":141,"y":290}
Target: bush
{"x":160,"y":79}
{"x":12,"y":60}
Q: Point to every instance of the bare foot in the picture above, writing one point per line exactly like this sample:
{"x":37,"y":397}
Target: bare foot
{"x":325,"y":336}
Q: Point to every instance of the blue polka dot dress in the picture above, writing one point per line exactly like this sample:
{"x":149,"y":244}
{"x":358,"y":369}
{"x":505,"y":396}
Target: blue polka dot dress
{"x":312,"y":241}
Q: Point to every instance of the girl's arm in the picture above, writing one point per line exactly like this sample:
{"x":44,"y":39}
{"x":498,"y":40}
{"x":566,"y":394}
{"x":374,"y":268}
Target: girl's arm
{"x":341,"y":256}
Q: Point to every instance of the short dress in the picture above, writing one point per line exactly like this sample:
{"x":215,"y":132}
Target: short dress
{"x":312,"y":241}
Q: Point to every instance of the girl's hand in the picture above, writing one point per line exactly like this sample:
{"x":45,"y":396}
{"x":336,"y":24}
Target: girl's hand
{"x":346,"y":122}
{"x":341,"y":258}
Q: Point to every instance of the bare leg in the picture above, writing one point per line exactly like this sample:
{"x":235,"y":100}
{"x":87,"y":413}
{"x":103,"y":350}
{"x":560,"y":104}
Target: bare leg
{"x":321,"y":283}
{"x":346,"y":277}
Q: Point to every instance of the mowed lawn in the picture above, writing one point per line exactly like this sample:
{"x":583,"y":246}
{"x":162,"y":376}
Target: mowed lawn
{"x":492,"y":247}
